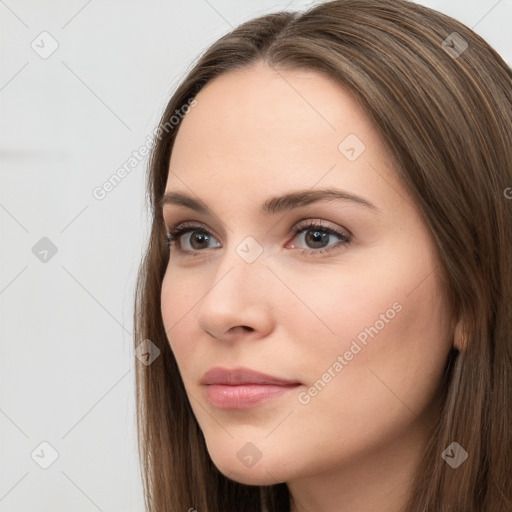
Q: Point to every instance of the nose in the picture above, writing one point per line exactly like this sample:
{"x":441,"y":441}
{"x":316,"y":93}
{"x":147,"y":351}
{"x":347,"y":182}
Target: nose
{"x":237,"y":301}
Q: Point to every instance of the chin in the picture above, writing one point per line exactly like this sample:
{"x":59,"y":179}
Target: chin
{"x":251,"y":476}
{"x":261,"y":473}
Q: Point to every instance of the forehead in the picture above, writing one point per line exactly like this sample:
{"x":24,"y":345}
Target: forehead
{"x":260,"y":105}
{"x":257,"y":130}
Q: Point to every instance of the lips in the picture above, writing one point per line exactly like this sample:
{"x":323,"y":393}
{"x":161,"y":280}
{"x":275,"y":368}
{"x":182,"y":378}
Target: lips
{"x":238,"y":376}
{"x":242,"y":388}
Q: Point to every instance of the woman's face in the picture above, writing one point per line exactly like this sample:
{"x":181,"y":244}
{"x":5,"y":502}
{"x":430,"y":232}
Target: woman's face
{"x":359,"y":329}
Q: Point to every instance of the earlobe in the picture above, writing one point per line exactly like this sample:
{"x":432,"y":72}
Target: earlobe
{"x":460,"y":337}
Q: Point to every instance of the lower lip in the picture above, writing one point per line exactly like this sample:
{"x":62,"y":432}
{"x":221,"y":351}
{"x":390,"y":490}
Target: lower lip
{"x":244,"y":396}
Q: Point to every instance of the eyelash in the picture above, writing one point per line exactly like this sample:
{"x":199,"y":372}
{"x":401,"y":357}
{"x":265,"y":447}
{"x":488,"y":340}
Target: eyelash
{"x":176,"y":232}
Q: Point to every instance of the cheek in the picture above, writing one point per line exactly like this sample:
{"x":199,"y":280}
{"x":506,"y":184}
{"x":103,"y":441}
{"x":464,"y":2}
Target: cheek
{"x":384,"y":362}
{"x":359,"y":300}
{"x":388,"y":293}
{"x":410,"y":356}
{"x":177,"y":302}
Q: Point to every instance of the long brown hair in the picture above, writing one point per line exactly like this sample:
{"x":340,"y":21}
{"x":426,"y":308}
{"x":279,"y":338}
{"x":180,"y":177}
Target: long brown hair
{"x":445,"y":110}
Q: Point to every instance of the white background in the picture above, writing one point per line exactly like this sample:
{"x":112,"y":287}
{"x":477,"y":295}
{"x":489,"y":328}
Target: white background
{"x":67,"y":123}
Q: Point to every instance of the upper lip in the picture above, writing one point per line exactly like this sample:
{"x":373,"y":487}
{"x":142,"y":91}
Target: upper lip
{"x":239,"y":376}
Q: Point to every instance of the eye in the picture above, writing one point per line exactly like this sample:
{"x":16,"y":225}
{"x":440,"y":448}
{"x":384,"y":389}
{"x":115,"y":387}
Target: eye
{"x":317,"y":237}
{"x":198,"y":239}
{"x":313,"y":234}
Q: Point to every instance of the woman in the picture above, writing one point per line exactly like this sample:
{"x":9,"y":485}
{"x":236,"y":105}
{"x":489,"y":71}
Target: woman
{"x":328,"y":276}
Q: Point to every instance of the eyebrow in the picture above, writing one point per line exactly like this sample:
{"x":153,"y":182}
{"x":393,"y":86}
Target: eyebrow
{"x":276,"y":204}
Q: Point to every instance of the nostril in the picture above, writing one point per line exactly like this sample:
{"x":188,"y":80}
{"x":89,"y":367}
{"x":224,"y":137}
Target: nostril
{"x":244,"y":327}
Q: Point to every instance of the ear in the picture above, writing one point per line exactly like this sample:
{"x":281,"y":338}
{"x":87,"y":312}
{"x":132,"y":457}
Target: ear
{"x":460,"y":340}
